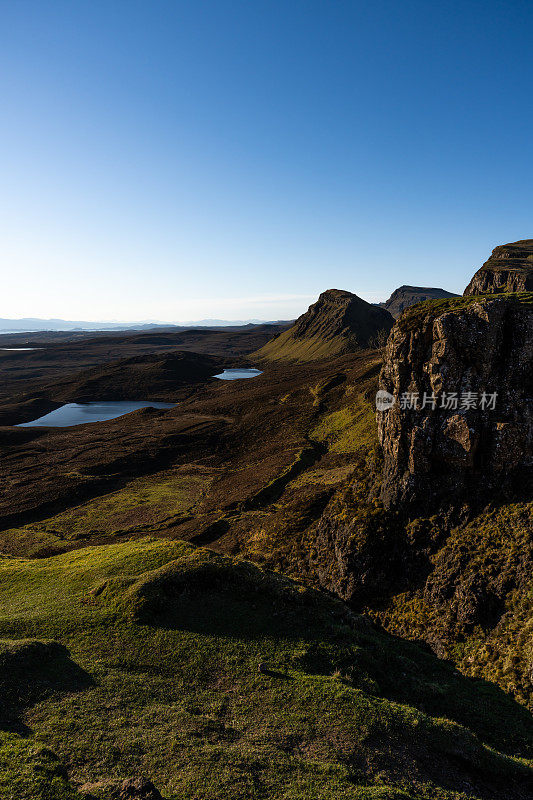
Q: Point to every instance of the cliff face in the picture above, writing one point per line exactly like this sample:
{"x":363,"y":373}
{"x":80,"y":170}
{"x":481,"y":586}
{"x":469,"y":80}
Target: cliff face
{"x":473,"y":361}
{"x":406,"y":296}
{"x":339,"y":322}
{"x":509,"y":269}
{"x":447,"y":556}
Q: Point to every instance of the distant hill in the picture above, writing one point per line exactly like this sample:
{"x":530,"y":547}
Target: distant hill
{"x":29,"y":324}
{"x":406,"y":296}
{"x":339,"y":322}
{"x":509,"y":269}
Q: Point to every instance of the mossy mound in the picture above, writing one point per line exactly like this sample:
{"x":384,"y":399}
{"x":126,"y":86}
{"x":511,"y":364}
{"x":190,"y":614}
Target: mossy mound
{"x":30,"y":670}
{"x":203,"y":572}
{"x":216,"y":678}
{"x":28,"y":769}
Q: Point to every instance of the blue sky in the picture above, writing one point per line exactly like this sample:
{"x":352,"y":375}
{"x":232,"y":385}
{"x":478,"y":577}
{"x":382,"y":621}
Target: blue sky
{"x":180,"y":160}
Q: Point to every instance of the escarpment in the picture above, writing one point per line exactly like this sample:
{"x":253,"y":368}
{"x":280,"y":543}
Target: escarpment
{"x":509,"y":269}
{"x":434,"y":535}
{"x":460,"y":379}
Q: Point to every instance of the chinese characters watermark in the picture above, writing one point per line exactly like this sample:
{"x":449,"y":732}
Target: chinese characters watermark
{"x":450,"y":401}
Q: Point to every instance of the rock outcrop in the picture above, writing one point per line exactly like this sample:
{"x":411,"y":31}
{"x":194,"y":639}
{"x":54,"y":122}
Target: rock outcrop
{"x":509,"y":269}
{"x":447,"y":556}
{"x":461,"y":424}
{"x":339,"y":322}
{"x":406,"y":296}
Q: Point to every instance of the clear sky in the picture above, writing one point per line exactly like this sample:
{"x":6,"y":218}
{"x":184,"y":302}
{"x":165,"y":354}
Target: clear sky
{"x":206,"y":158}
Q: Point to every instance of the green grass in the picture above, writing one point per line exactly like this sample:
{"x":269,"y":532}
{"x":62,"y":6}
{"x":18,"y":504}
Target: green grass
{"x":144,"y":505}
{"x":161,"y":678}
{"x":143,"y":502}
{"x":286,"y":347}
{"x":349,"y":429}
{"x":30,"y":770}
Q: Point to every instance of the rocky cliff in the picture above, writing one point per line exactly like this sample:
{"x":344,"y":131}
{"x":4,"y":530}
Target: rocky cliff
{"x":339,"y":322}
{"x":461,"y":426}
{"x":509,"y":269}
{"x":406,"y":296}
{"x":438,"y":545}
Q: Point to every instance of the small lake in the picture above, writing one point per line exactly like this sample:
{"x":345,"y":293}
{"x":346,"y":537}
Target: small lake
{"x":18,"y":349}
{"x":80,"y":413}
{"x":237,"y":374}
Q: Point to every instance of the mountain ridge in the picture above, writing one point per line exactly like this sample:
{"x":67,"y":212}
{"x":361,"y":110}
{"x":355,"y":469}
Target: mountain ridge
{"x":338,"y":322}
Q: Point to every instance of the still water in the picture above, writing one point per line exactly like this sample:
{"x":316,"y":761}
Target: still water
{"x":236,"y":374}
{"x":80,"y":413}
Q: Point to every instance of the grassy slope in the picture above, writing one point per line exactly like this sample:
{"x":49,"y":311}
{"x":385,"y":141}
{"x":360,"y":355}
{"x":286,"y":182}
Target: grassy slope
{"x":349,"y":429}
{"x":163,"y":679}
{"x":286,"y":347}
{"x":145,"y":504}
{"x":266,"y":484}
{"x":278,"y":529}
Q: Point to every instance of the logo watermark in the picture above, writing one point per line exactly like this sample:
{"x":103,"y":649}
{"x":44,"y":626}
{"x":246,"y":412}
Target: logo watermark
{"x":450,"y":401}
{"x":384,"y":400}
